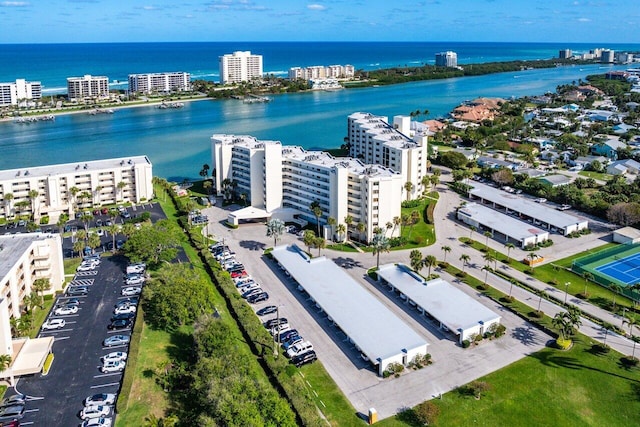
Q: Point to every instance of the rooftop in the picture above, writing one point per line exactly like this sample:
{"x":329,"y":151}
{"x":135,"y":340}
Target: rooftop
{"x":65,"y":168}
{"x":500,"y":222}
{"x":12,"y":247}
{"x":378,"y":332}
{"x":517,"y":203}
{"x":379,"y":127}
{"x":455,"y":309}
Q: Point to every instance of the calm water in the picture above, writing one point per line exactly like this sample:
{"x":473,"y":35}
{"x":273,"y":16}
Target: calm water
{"x":177,"y":141}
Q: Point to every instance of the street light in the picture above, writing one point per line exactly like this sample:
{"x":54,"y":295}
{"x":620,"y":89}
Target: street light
{"x":566,"y":289}
{"x":624,"y":310}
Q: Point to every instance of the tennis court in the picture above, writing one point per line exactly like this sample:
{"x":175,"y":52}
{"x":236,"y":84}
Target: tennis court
{"x":625,"y":270}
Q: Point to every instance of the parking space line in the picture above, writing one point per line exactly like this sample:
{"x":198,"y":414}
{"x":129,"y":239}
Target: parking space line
{"x":111,"y":374}
{"x":113,"y":346}
{"x":119,"y":330}
{"x":105,"y":385}
{"x":31,"y":410}
{"x":56,"y":330}
{"x":28,"y":423}
{"x":61,"y":338}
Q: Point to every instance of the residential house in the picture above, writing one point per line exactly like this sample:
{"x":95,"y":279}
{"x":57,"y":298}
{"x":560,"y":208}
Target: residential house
{"x":624,"y":167}
{"x":608,"y":148}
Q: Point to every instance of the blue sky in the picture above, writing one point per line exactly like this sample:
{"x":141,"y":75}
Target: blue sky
{"x":66,"y":21}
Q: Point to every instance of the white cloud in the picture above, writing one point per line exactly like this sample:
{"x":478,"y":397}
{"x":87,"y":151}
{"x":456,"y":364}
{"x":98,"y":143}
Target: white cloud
{"x":150,"y":8}
{"x":316,"y":7}
{"x":584,"y":20}
{"x":15,"y":4}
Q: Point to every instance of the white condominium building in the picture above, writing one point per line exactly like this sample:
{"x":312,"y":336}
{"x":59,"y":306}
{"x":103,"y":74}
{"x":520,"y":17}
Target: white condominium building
{"x":284,"y":181}
{"x":25,"y":258}
{"x":321,"y":72}
{"x":79,"y":88}
{"x":21,"y":93}
{"x":159,"y":82}
{"x":240,"y":67}
{"x":447,"y":59}
{"x":56,"y":189}
{"x":373,"y":140}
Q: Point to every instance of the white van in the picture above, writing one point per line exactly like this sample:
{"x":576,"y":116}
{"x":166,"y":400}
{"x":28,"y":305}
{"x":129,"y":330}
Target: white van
{"x":300,"y":348}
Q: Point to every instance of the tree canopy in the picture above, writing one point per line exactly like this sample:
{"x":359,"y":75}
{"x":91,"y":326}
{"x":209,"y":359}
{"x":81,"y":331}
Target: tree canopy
{"x":154,"y":244}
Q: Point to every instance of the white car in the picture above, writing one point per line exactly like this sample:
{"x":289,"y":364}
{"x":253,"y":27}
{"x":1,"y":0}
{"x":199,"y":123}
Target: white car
{"x":66,"y":310}
{"x":113,"y":366}
{"x":131,"y":291}
{"x":139,"y":280}
{"x":53,"y":324}
{"x":114,"y":356}
{"x":100,"y":399}
{"x":94,"y":411}
{"x":125,"y":309}
{"x":97,"y":422}
{"x":86,"y":267}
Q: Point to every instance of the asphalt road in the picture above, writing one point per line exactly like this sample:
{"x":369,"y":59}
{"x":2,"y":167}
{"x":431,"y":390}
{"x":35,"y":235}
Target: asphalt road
{"x":75,"y":374}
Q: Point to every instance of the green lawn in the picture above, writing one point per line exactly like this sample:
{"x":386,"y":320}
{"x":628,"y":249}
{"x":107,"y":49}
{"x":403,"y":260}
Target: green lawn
{"x":341,"y":247}
{"x":421,"y":234}
{"x":596,"y":175}
{"x":551,"y":388}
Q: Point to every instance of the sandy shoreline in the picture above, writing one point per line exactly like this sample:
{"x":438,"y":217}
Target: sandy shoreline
{"x":114,"y":108}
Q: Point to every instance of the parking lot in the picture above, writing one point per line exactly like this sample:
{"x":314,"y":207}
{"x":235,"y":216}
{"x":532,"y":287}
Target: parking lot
{"x":453,"y":365}
{"x":57,"y":398}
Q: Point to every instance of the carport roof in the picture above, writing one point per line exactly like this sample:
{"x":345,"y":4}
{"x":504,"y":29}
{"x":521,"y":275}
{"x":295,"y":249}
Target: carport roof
{"x":250,"y":212}
{"x":517,"y":203}
{"x":449,"y":305}
{"x":378,"y":332}
{"x":31,"y":356}
{"x":490,"y":218}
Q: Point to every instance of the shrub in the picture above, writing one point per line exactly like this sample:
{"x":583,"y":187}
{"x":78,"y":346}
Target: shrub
{"x":429,"y":213}
{"x":500,"y":330}
{"x":427,"y":412}
{"x":411,"y":203}
{"x":394,"y":242}
{"x":394,"y":369}
{"x":466,"y":344}
{"x":44,"y":220}
{"x":132,"y":360}
{"x":478,"y":387}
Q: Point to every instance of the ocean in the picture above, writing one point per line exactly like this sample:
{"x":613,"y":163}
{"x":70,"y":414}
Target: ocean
{"x":178,"y":141}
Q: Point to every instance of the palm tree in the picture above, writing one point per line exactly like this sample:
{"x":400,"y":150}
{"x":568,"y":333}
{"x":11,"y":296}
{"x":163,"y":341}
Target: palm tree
{"x":120,"y":187}
{"x":532,"y":256}
{"x":408,"y":186}
{"x":331,"y":221}
{"x":587,"y":277}
{"x":435,"y":179}
{"x":486,"y":269}
{"x":275,"y":229}
{"x":33,"y":196}
{"x":472,"y":229}
{"x":396,"y":222}
{"x":360,"y":227}
{"x":113,"y":229}
{"x":446,"y":249}
{"x":616,"y":289}
{"x":315,"y":208}
{"x":429,"y":261}
{"x":413,"y":220}
{"x":465,"y":259}
{"x":5,"y":362}
{"x":415,"y":259}
{"x":388,"y":226}
{"x":96,"y":193}
{"x":41,"y":284}
{"x":128,"y":229}
{"x":511,"y":283}
{"x":73,"y":191}
{"x":348,"y":220}
{"x":319,"y":243}
{"x":489,"y":258}
{"x":561,"y":322}
{"x":341,"y":229}
{"x":607,"y":327}
{"x":631,"y":321}
{"x":93,"y":241}
{"x":308,"y":239}
{"x":509,"y":246}
{"x":379,"y":243}
{"x":487,"y":234}
{"x":7,"y":204}
{"x":426,"y":182}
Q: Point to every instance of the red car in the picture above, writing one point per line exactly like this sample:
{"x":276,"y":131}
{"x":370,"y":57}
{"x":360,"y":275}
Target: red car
{"x":104,"y":211}
{"x":235,"y":274}
{"x":96,"y":212}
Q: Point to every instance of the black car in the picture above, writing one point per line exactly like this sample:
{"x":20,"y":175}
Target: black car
{"x":254,"y":299}
{"x":123,"y":316}
{"x":13,"y":412}
{"x":288,"y":334}
{"x":304,"y":358}
{"x":267,"y":310}
{"x":119,"y":324}
{"x":273,"y":322}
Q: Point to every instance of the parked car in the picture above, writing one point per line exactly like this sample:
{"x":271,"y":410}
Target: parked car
{"x":128,"y":301}
{"x":114,"y":356}
{"x":113,"y":366}
{"x":96,"y":422}
{"x":12,"y":412}
{"x":240,"y":273}
{"x":267,"y":310}
{"x":116,"y":340}
{"x":66,"y":310}
{"x":248,"y":287}
{"x":16,"y":399}
{"x":273,"y":322}
{"x":125,"y":309}
{"x":104,"y":211}
{"x":292,"y":340}
{"x":280,"y":329}
{"x":135,"y":269}
{"x":300,"y":348}
{"x":134,"y":280}
{"x":86,"y":267}
{"x":123,"y":316}
{"x":53,"y":324}
{"x":95,"y":411}
{"x":98,"y":223}
{"x":119,"y":324}
{"x":69,"y":301}
{"x":287,"y":334}
{"x":250,"y":292}
{"x":261,"y":297}
{"x":304,"y":358}
{"x":131,"y":290}
{"x":100,"y":399}
{"x":77,"y":290}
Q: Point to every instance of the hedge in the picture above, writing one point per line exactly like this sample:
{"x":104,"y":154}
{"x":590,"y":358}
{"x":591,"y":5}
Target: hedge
{"x":132,"y":361}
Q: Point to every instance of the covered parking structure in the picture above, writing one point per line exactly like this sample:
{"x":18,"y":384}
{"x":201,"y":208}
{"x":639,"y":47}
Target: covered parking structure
{"x":379,"y":335}
{"x":510,"y":229}
{"x":438,"y":299}
{"x":537,"y":213}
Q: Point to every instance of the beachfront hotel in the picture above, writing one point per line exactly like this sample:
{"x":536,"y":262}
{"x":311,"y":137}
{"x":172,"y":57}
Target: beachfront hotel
{"x":87,"y":87}
{"x":25,"y":258}
{"x":56,"y":189}
{"x":447,"y":59}
{"x":374,"y":140}
{"x":240,"y":66}
{"x":322,"y":72}
{"x":21,"y":93}
{"x":282,"y":182}
{"x":159,"y":82}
